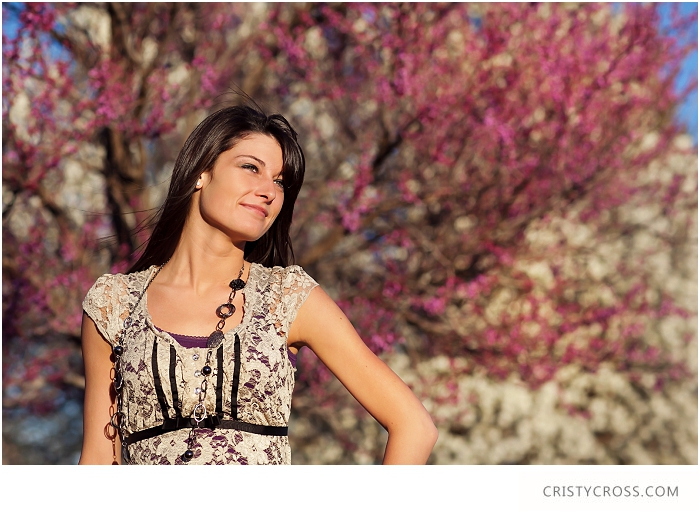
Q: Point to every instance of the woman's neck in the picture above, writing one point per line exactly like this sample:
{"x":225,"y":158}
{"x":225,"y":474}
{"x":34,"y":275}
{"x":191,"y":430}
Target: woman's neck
{"x":201,"y":262}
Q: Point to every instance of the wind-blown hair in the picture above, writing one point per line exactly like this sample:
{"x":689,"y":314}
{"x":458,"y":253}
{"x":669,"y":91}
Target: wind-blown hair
{"x":216,"y":134}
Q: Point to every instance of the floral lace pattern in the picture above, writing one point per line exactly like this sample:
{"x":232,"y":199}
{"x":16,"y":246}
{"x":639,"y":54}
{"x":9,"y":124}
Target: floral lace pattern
{"x":272,"y":298}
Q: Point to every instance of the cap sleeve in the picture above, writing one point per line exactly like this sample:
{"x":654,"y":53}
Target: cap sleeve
{"x":295,"y":287}
{"x":106,"y":305}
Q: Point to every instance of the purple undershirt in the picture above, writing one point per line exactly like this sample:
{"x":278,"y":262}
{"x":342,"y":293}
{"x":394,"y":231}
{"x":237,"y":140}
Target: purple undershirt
{"x":201,"y":342}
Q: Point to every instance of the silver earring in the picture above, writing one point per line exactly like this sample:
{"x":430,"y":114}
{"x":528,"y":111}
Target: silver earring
{"x":199,"y":183}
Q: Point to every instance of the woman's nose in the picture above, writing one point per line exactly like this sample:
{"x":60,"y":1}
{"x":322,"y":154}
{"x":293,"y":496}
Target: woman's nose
{"x":266,"y":188}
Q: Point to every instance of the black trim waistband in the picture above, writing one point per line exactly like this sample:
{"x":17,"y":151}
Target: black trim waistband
{"x":211,"y":422}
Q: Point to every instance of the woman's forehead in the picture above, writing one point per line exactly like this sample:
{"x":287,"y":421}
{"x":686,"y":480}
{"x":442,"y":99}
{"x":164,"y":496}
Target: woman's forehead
{"x":257,"y":145}
{"x":260,"y":138}
{"x":262,"y":149}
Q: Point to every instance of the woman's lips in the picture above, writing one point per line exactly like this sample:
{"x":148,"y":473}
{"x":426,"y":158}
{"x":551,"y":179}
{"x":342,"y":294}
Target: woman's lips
{"x":259,"y":209}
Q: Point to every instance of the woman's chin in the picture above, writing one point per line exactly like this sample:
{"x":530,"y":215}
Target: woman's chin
{"x":248,"y":236}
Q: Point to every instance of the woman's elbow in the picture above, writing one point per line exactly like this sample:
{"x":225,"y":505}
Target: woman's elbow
{"x":430,"y":433}
{"x":424,"y":427}
{"x":426,"y":438}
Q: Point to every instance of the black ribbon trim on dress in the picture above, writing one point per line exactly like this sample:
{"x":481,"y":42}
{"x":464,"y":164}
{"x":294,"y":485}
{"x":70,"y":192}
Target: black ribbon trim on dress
{"x":211,"y":422}
{"x":156,"y":381}
{"x":173,"y":382}
{"x":219,"y":380}
{"x":236,"y":377}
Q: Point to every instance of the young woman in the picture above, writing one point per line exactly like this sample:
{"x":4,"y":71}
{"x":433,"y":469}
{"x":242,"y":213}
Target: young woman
{"x":190,"y":356}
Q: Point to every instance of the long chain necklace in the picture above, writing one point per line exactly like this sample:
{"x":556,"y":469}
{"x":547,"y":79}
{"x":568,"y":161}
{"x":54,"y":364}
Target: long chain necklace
{"x":223,"y":311}
{"x":199,"y":413}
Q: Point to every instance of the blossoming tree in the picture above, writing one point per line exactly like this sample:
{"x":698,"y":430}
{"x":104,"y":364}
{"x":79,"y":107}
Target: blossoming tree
{"x":439,"y":139}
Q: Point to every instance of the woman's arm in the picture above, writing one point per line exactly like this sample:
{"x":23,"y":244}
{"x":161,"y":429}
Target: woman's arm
{"x":101,"y":445}
{"x":322,"y":326}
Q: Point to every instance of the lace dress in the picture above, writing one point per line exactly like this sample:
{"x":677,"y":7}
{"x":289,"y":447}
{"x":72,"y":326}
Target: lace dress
{"x":162,"y":377}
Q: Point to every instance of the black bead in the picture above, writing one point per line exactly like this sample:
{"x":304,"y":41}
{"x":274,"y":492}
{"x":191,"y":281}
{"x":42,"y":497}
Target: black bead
{"x":118,"y":350}
{"x":206,"y":370}
{"x":187,"y":456}
{"x":237,"y":284}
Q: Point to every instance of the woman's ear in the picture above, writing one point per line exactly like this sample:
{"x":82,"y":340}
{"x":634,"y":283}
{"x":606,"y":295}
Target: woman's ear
{"x":203,"y":179}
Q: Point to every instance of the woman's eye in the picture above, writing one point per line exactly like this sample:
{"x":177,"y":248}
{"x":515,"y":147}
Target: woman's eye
{"x":280,"y":183}
{"x":251,"y":167}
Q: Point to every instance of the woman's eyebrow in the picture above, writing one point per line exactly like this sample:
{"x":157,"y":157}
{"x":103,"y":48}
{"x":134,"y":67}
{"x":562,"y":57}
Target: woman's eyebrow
{"x":253,"y":157}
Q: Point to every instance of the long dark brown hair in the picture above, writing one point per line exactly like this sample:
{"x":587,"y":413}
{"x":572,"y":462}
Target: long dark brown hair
{"x":216,"y":134}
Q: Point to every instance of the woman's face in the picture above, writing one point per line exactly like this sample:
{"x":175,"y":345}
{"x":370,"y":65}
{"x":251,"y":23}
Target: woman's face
{"x":243,"y":193}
